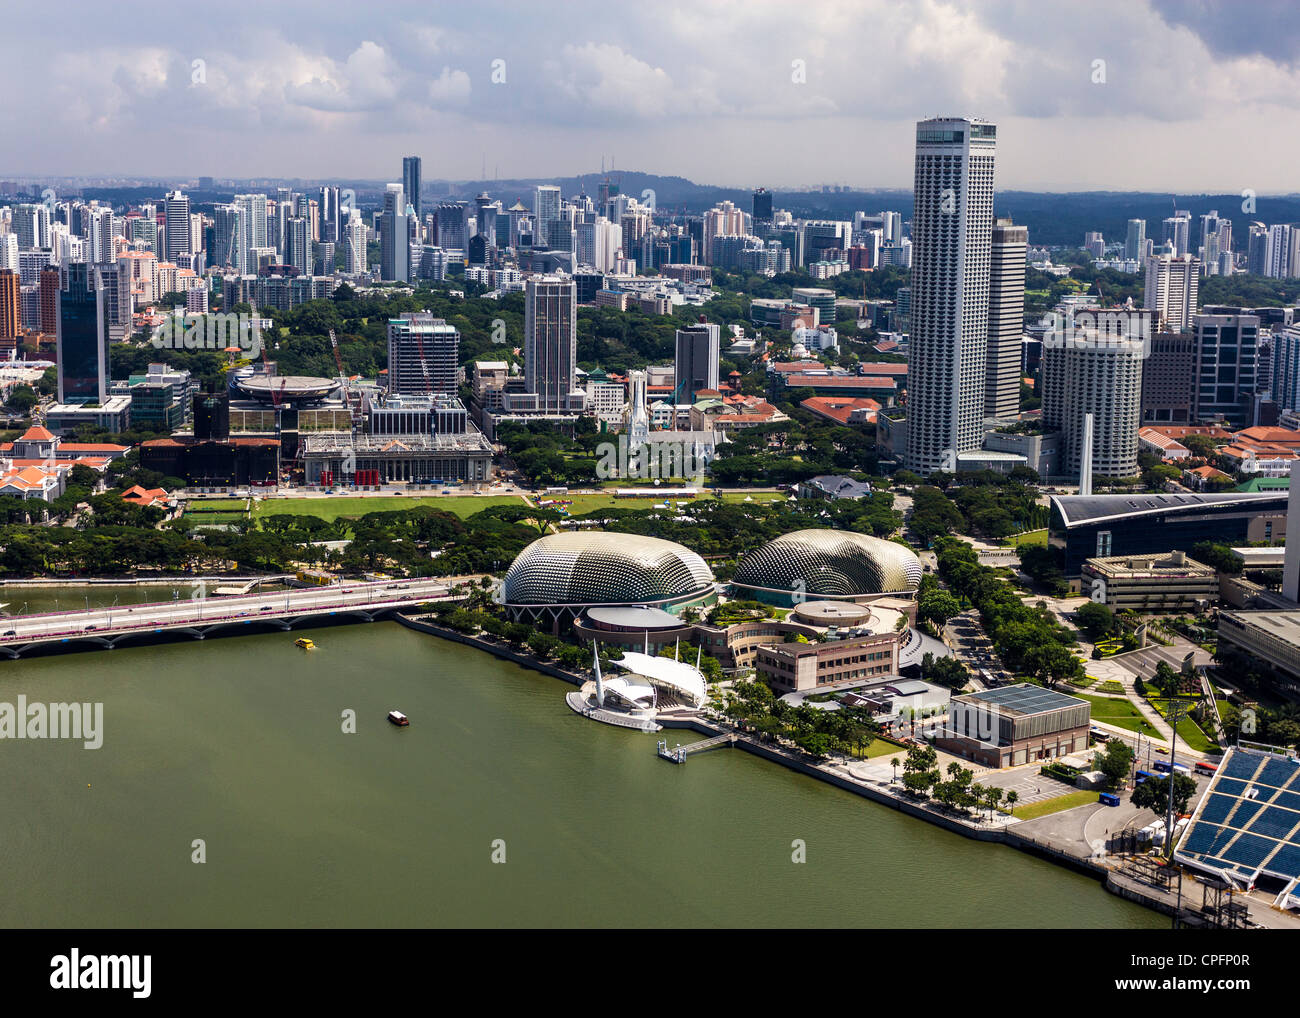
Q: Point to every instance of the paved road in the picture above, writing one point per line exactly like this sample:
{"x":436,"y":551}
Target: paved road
{"x":203,"y":609}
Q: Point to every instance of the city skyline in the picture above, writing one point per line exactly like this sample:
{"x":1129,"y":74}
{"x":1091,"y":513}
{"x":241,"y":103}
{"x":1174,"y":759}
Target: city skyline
{"x":348,"y":96}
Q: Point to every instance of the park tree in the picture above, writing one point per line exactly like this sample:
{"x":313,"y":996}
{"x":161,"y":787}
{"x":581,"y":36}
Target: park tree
{"x":1095,"y":621}
{"x":1114,"y":762}
{"x":1153,"y":794}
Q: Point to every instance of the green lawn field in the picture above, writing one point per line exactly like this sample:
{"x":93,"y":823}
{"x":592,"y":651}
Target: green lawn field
{"x":1122,"y":713}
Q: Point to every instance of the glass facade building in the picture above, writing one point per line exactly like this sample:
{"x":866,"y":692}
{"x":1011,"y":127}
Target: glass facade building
{"x":82,"y":337}
{"x":826,"y":564}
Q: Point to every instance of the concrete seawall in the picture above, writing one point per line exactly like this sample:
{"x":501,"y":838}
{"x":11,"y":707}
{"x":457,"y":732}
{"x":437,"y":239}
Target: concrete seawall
{"x":1006,"y":836}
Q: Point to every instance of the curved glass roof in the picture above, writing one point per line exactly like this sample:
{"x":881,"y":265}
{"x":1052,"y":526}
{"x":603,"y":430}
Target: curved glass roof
{"x":597,"y":567}
{"x":831,"y":563}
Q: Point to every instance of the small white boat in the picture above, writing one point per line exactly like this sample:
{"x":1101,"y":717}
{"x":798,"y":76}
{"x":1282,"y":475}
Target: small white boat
{"x":398,"y":718}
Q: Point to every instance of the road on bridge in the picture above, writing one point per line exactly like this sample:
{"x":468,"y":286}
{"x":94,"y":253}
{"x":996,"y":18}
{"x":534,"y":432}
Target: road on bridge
{"x":204,"y":609}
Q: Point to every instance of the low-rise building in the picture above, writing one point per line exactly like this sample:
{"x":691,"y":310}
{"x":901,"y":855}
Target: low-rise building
{"x":1271,"y":637}
{"x":1150,"y":583}
{"x":799,"y":666}
{"x":1015,"y":725}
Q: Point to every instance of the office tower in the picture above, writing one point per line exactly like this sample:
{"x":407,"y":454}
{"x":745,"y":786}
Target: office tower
{"x":412,"y":167}
{"x":331,"y":227}
{"x":1094,"y":244}
{"x":698,"y":351}
{"x":952,"y":230}
{"x":1227,"y":348}
{"x":1010,"y":245}
{"x":115,"y":293}
{"x":1256,"y":248}
{"x":50,"y":282}
{"x":324,"y":258}
{"x":546,"y":209}
{"x":9,"y":251}
{"x":1088,"y":373}
{"x":452,"y":216}
{"x":485,"y":219}
{"x":394,"y":237}
{"x":423,"y":355}
{"x":1177,"y":233}
{"x":1286,"y":368}
{"x":1169,"y":379}
{"x":226,"y":231}
{"x":902,"y":318}
{"x":176,"y":225}
{"x":1135,"y":241}
{"x":356,"y":244}
{"x":82,"y":337}
{"x":550,"y":339}
{"x":762,"y":207}
{"x":11,"y":310}
{"x":298,"y":244}
{"x":1172,"y":285}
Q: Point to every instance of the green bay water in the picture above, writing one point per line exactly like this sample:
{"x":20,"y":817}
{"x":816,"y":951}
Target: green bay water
{"x":238,"y":741}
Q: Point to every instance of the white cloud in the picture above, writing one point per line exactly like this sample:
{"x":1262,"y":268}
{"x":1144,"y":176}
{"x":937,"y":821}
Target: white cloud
{"x":451,"y":86}
{"x":367,"y":81}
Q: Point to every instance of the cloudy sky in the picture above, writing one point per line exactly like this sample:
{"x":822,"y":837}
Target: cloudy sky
{"x":1168,"y":95}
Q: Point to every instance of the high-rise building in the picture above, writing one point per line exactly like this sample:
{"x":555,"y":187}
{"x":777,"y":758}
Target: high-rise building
{"x":394,"y":237}
{"x":1277,"y":252}
{"x":546,"y":209}
{"x":762,"y":207}
{"x":1286,"y":368}
{"x":1177,"y":233}
{"x":1135,"y":241}
{"x":1227,"y":350}
{"x":11,"y":310}
{"x":298,"y":252}
{"x":1094,"y":243}
{"x":550,"y":339}
{"x":9,"y":251}
{"x":177,"y":225}
{"x":485,"y":218}
{"x":696,"y":366}
{"x":1256,"y":248}
{"x":227,"y":252}
{"x":82,"y":337}
{"x":331,"y":224}
{"x":452,"y":232}
{"x":423,"y":355}
{"x":356,"y":244}
{"x":952,"y":229}
{"x":1008,"y":251}
{"x":1172,"y":285}
{"x":1169,"y":379}
{"x":412,"y":168}
{"x":1087,"y":372}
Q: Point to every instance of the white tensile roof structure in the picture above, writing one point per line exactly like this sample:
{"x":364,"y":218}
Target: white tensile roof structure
{"x":681,"y":678}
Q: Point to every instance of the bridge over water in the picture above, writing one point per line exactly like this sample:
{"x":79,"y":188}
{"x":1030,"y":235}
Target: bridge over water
{"x":202,"y":614}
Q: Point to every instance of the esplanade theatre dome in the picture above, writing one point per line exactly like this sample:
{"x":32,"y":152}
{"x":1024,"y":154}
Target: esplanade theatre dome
{"x":597,"y":567}
{"x":827,"y":565}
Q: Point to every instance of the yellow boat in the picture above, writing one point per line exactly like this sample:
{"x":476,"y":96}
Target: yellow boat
{"x":304,"y":643}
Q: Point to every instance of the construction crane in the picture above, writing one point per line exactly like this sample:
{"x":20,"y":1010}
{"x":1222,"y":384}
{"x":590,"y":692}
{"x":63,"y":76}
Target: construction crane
{"x":355,"y":411}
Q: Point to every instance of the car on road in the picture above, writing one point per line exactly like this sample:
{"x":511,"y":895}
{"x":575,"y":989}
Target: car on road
{"x":11,"y":632}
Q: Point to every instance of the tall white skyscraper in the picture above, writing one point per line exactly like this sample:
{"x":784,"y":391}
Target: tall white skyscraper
{"x":952,"y":228}
{"x":1172,"y":285}
{"x":177,"y":225}
{"x":355,"y":236}
{"x":1006,"y":319}
{"x":394,"y":237}
{"x":252,"y":229}
{"x":550,"y":339}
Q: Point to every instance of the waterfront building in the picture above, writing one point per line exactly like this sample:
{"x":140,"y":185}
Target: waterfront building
{"x":826,"y":565}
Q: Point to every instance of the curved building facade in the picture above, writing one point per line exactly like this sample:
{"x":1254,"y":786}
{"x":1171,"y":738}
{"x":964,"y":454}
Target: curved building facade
{"x":557,"y":576}
{"x":827,"y":565}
